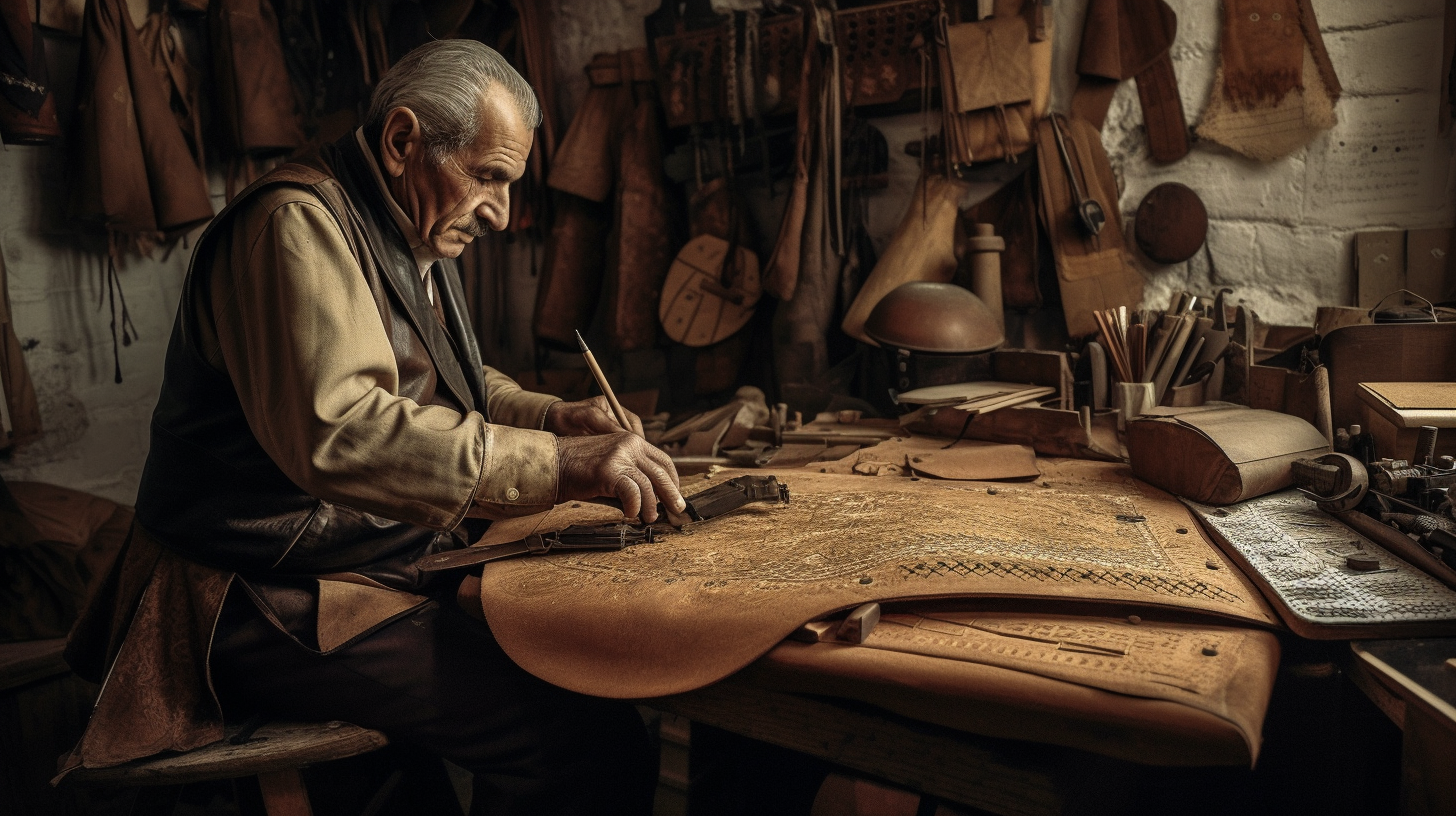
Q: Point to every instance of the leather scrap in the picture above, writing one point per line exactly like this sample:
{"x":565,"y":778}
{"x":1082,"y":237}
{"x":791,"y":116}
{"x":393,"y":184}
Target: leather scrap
{"x":966,"y":460}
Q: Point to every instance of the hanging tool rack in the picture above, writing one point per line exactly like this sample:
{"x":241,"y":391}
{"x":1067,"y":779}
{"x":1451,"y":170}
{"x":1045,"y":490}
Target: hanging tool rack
{"x":878,"y":57}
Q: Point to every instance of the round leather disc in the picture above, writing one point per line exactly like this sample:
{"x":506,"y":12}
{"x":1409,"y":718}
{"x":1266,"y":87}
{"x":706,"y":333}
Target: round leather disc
{"x":1171,"y":223}
{"x":696,"y":308}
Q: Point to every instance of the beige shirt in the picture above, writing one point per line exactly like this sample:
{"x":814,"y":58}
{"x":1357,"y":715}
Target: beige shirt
{"x":290,"y":319}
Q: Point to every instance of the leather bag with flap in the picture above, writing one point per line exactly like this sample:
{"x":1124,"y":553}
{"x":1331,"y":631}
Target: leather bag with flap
{"x":1221,"y":455}
{"x":995,"y":77}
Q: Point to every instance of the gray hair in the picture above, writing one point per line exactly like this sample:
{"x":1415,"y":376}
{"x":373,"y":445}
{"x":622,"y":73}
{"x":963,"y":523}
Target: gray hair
{"x":443,"y":82}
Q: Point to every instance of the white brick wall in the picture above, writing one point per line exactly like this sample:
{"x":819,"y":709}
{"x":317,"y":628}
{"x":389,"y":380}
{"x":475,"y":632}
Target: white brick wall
{"x":1281,"y":234}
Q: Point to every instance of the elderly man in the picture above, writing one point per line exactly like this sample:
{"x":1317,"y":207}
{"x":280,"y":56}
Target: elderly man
{"x":325,"y":421}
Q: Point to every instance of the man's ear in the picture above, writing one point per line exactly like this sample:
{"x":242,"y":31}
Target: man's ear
{"x":400,"y":140}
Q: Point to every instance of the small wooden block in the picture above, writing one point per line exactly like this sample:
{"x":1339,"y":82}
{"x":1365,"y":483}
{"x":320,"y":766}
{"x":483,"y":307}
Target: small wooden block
{"x":858,"y":624}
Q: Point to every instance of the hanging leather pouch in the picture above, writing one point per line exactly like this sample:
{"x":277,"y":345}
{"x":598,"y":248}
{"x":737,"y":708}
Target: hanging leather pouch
{"x":991,"y":63}
{"x":991,"y":73}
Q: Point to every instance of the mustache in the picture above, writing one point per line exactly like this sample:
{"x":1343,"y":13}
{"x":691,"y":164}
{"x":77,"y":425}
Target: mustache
{"x":474,"y":227}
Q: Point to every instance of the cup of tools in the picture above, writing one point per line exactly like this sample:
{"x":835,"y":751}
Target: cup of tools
{"x":1132,"y":400}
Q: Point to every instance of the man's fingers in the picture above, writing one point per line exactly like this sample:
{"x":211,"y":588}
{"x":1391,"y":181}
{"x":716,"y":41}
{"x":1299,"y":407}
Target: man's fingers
{"x":662,"y":460}
{"x":666,"y":488}
{"x":648,"y":497}
{"x":636,"y":424}
{"x":629,"y":493}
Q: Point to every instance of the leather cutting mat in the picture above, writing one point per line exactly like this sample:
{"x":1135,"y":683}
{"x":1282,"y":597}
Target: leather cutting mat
{"x":679,"y":614}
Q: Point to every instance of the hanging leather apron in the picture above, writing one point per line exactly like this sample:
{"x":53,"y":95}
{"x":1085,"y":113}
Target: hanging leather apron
{"x":137,"y":174}
{"x":255,"y":96}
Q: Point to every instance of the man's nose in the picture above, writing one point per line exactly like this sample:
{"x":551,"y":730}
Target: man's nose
{"x":495,"y":209}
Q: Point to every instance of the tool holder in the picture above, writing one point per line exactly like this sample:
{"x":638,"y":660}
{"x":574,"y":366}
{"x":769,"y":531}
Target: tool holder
{"x":878,"y":60}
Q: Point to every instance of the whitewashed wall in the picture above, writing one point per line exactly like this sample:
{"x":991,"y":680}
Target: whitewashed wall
{"x":1281,"y":233}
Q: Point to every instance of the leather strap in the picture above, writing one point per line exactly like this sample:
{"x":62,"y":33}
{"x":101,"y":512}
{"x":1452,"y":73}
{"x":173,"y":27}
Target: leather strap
{"x":1126,"y":39}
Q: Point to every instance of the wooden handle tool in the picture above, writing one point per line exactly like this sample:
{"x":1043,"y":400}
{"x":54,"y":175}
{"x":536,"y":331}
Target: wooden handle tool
{"x":596,"y":370}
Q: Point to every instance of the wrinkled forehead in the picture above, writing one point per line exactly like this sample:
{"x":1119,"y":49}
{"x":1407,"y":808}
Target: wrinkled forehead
{"x":502,"y":133}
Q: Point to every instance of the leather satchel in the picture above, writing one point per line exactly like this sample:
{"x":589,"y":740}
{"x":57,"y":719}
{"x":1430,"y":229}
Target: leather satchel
{"x":1221,"y":455}
{"x":991,"y":80}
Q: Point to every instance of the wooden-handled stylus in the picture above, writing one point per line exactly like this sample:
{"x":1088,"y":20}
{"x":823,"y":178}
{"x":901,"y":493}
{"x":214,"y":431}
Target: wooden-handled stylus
{"x":596,"y":370}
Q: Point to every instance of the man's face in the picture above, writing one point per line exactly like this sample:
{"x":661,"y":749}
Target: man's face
{"x":468,"y":194}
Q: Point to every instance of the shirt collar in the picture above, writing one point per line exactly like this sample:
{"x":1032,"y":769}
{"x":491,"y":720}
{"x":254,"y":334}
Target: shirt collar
{"x":423,"y":255}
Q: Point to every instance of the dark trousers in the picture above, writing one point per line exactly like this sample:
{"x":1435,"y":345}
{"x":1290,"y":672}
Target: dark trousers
{"x":437,"y":680}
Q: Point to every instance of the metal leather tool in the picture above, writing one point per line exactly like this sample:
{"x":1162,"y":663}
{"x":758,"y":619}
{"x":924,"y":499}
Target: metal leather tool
{"x":1089,"y":210}
{"x":708,"y":504}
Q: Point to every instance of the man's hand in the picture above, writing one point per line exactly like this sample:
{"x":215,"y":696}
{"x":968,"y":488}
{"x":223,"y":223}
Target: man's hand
{"x":586,"y":418}
{"x":618,"y":465}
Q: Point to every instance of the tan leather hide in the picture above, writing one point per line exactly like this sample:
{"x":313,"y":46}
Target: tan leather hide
{"x":679,"y":614}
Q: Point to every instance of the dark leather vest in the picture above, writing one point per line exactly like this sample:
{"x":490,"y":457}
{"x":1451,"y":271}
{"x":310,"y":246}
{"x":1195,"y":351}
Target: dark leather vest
{"x":211,"y":493}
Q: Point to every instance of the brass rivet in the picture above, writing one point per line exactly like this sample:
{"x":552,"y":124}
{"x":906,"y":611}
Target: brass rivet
{"x":866,"y":580}
{"x":1210,"y":651}
{"x":1254,"y":17}
{"x":1276,"y":17}
{"x":512,"y":494}
{"x":1134,"y":619}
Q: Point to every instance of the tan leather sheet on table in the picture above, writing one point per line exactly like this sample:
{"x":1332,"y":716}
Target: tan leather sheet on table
{"x":679,"y":614}
{"x":967,"y":459}
{"x":1147,"y":692}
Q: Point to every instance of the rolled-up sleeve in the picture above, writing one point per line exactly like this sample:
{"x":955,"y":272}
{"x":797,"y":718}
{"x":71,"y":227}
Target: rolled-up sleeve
{"x":509,"y":404}
{"x":300,"y":336}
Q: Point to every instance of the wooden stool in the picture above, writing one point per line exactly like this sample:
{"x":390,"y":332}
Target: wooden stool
{"x":274,"y":753}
